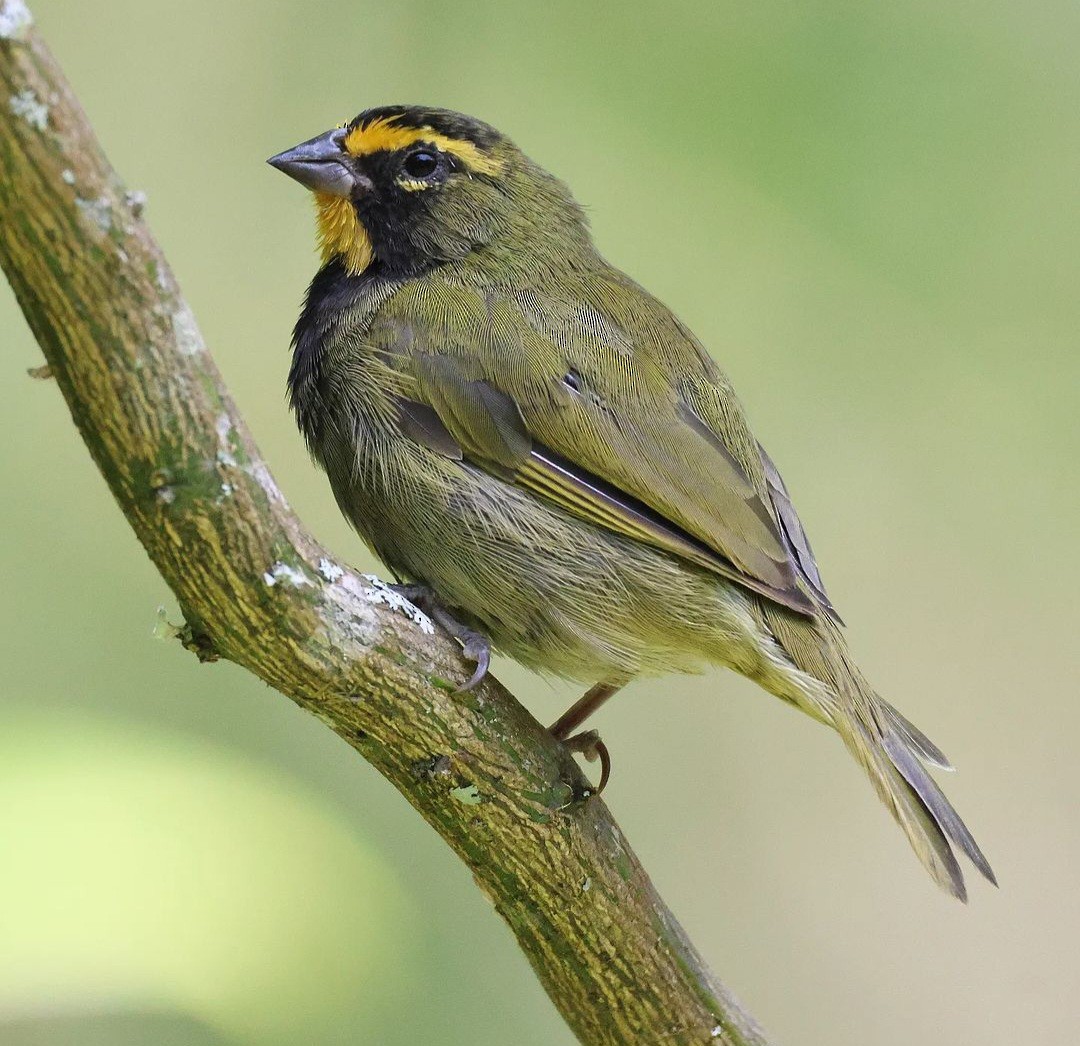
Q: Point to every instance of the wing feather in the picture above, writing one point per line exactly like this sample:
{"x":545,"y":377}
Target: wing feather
{"x":640,"y":435}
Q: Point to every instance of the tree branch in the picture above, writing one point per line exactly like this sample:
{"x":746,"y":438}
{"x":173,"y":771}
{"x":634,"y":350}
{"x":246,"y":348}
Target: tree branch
{"x":256,"y":589}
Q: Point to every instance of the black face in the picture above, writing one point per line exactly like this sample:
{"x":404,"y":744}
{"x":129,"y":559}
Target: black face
{"x":402,"y":210}
{"x":410,"y":172}
{"x":427,"y":185}
{"x":428,"y":191}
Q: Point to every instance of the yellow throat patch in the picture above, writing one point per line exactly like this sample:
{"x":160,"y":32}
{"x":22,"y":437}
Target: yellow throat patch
{"x":342,"y":233}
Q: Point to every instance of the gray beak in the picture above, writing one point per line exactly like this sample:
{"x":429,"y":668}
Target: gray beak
{"x":322,"y":165}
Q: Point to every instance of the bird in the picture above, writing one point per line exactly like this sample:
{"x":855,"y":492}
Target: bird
{"x":546,"y":457}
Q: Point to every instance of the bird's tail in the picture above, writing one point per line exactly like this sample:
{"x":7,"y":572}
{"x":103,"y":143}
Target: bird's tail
{"x":895,"y":755}
{"x":896,"y":768}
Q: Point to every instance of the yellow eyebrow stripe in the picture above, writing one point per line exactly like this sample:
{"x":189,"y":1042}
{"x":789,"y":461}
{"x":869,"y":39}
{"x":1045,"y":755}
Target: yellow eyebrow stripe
{"x":385,"y":135}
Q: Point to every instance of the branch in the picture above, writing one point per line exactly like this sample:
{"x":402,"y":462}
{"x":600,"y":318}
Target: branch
{"x":256,"y":589}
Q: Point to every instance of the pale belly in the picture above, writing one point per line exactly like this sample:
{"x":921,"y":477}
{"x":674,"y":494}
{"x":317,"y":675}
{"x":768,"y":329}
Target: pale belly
{"x":554,"y":592}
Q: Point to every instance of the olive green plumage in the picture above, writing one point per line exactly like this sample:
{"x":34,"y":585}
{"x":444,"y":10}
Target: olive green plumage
{"x":514,"y":423}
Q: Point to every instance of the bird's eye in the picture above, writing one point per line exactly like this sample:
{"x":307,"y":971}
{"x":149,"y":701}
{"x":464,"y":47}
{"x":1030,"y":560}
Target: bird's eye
{"x":421,"y":164}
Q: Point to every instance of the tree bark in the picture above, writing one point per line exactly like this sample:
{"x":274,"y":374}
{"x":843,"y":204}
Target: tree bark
{"x":255,"y":588}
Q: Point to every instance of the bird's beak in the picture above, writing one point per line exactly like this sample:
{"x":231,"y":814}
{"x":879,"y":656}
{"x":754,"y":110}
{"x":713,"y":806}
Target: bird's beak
{"x":322,"y":165}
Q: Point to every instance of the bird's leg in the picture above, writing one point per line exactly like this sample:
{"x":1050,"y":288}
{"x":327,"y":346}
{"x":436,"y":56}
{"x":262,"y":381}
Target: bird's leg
{"x":474,"y":646}
{"x":581,"y":709}
{"x":587,"y":742}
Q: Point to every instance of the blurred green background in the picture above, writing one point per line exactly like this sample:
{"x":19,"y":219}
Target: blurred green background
{"x":870,"y":213}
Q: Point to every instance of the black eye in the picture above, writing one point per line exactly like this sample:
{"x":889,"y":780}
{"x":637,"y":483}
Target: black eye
{"x":421,"y":164}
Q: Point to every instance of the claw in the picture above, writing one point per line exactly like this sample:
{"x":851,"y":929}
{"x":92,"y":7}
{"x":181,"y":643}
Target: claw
{"x":474,"y":647}
{"x":588,"y":744}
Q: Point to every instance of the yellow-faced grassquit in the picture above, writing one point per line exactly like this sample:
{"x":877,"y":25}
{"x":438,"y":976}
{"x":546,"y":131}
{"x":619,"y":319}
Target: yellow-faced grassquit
{"x":550,"y":458}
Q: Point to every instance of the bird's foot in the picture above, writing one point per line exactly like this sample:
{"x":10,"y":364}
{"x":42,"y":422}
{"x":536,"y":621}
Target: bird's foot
{"x":588,"y":744}
{"x":474,"y":646}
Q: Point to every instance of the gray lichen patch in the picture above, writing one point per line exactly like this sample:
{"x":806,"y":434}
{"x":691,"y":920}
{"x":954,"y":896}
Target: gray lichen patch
{"x":224,"y":428}
{"x":15,"y":19}
{"x":232,"y":454}
{"x":283,"y":573}
{"x":186,"y":331}
{"x":350,"y":599}
{"x":160,"y":276}
{"x":136,"y":201}
{"x":27,"y":106}
{"x":378,"y":591}
{"x":98,"y":212}
{"x":258,"y":471}
{"x":354,"y":620}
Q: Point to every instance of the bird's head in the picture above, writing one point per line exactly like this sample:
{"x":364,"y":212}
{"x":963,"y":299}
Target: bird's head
{"x":410,"y":188}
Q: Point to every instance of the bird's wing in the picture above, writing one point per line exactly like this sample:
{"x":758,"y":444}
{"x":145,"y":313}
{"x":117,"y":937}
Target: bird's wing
{"x":637,"y":433}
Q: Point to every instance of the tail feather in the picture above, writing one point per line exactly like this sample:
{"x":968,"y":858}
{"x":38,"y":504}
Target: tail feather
{"x":889,"y":748}
{"x":915,"y":739}
{"x":911,"y":811}
{"x":942,"y":811}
